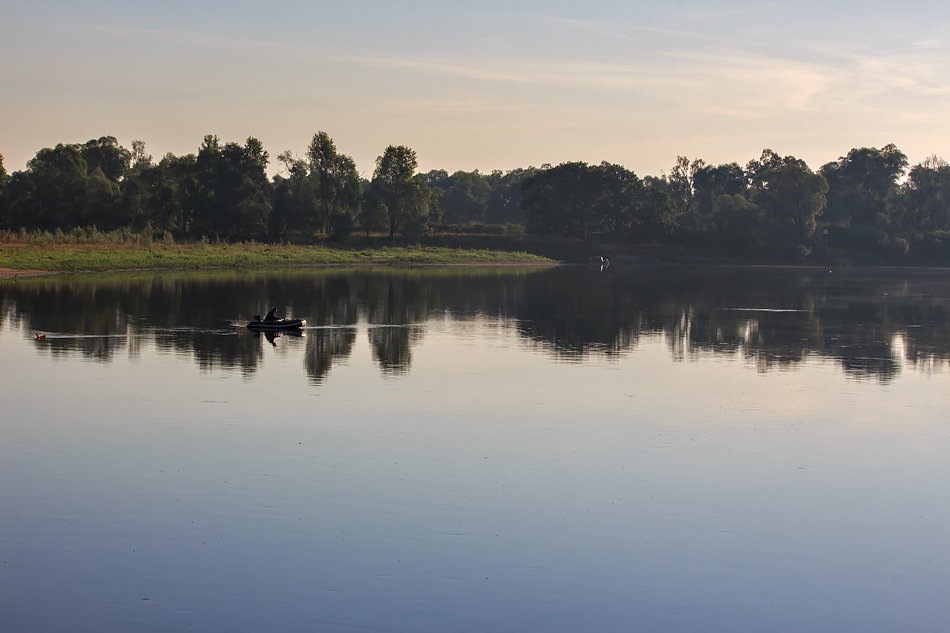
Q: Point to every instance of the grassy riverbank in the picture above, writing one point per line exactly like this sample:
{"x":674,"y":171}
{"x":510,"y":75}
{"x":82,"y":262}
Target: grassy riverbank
{"x":122,"y":256}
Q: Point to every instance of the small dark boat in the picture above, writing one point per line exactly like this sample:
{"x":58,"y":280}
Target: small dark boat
{"x":277,"y":324}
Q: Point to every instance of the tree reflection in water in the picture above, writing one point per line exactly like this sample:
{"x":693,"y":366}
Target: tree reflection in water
{"x":872,"y":322}
{"x":324,"y":347}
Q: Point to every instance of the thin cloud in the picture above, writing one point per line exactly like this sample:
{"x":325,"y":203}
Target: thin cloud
{"x":622,"y":32}
{"x":661,"y":36}
{"x":551,"y":72}
{"x":753,"y":86}
{"x":747,"y":86}
{"x":178,"y":39}
{"x":449,"y":107}
{"x":908,"y":73}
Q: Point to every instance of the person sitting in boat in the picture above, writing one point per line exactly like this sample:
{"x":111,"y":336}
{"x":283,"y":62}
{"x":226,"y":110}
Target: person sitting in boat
{"x":272,"y":315}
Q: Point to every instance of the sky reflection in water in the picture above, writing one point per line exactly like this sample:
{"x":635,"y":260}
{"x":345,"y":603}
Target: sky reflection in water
{"x":548,"y":450}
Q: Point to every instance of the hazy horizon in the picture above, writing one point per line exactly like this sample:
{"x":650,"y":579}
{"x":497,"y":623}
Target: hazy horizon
{"x":487,"y":86}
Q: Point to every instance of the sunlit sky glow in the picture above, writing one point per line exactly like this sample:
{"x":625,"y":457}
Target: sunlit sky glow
{"x":486,"y":85}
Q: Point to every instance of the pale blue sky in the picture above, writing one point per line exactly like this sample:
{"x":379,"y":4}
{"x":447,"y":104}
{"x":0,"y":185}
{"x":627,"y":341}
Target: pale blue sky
{"x":486,"y":85}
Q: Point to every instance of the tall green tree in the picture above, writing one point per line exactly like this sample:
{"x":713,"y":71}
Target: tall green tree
{"x":231,"y":198}
{"x":247,"y":189}
{"x":4,"y":176}
{"x":792,"y":197}
{"x":140,"y":158}
{"x":205,"y":206}
{"x":4,"y":180}
{"x":710,"y":182}
{"x":51,"y":192}
{"x":562,"y":200}
{"x":322,"y":155}
{"x":336,"y":186}
{"x":863,"y":186}
{"x":321,"y":193}
{"x":162,"y":195}
{"x":757,"y":168}
{"x":617,"y":198}
{"x":294,"y":199}
{"x":106,"y":154}
{"x":401,"y":198}
{"x":346,"y":197}
{"x":134,"y":190}
{"x":584,"y":200}
{"x":107,"y":167}
{"x":681,"y":188}
{"x":926,"y":197}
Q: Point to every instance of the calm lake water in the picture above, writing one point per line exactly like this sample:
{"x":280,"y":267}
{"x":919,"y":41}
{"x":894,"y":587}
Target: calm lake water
{"x":477,"y":449}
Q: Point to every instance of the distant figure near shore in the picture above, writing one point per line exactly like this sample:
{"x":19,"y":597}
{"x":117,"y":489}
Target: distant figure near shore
{"x":599,"y":260}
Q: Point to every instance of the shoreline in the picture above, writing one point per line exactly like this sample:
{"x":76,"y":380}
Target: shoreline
{"x":24,"y":260}
{"x":12,"y":273}
{"x":30,"y":260}
{"x":7,"y":273}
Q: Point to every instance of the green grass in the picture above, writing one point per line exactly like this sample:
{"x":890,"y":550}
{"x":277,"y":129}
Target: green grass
{"x":70,"y":257}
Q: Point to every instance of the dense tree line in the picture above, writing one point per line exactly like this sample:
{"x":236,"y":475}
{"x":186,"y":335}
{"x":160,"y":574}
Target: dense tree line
{"x":476,"y":200}
{"x":869,"y":204}
{"x":221,"y":192}
{"x":585,"y":200}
